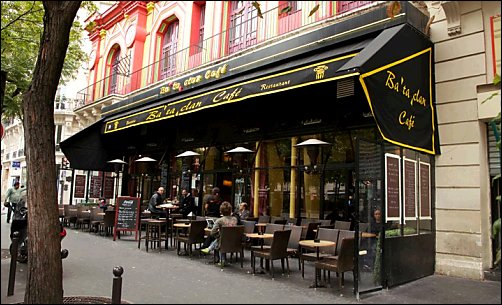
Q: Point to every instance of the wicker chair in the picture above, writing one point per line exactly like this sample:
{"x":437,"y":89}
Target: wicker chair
{"x":195,"y":236}
{"x":342,"y":263}
{"x":278,"y":250}
{"x":322,"y":234}
{"x":231,"y":242}
{"x":293,"y":244}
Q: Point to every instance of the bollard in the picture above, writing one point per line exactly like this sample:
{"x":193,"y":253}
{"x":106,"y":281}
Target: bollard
{"x":13,"y":263}
{"x":117,"y":285}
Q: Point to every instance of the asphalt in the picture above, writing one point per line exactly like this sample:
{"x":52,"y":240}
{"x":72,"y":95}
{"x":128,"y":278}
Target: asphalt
{"x":164,"y":278}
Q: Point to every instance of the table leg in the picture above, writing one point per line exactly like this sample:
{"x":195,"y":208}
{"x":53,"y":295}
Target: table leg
{"x":316,"y":274}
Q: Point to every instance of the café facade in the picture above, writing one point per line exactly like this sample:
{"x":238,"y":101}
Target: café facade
{"x":364,"y":86}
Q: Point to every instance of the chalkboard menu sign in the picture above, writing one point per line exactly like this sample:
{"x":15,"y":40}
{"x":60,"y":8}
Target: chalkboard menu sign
{"x":392,"y":189}
{"x":79,"y":186}
{"x":95,"y":186}
{"x":109,"y":187}
{"x":127,"y":215}
{"x":410,"y":201}
{"x":425,"y":190}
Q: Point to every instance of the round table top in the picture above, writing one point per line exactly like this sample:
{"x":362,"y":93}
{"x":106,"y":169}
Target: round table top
{"x":181,"y":225}
{"x":321,"y":243}
{"x":261,"y":224}
{"x":256,"y":235}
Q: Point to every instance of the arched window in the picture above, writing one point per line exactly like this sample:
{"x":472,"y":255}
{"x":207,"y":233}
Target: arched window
{"x":112,"y":70}
{"x":169,"y":48}
{"x":243,"y":26}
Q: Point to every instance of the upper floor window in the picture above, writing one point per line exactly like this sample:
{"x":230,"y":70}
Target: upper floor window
{"x":243,"y":26}
{"x":169,"y":48}
{"x":112,"y":69}
{"x":59,"y":132}
{"x":290,"y":16}
{"x":202,"y":22}
{"x":345,"y":6}
{"x":60,"y":103}
{"x":197,"y":33}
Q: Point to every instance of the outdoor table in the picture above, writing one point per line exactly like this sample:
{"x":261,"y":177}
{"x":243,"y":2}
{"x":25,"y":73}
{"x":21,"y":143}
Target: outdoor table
{"x":321,"y":243}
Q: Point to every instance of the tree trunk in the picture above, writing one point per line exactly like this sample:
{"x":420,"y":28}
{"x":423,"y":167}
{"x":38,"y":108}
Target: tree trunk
{"x":45,"y":281}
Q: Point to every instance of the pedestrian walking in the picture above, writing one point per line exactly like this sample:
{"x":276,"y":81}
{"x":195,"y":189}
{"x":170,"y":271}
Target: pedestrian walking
{"x":12,"y":197}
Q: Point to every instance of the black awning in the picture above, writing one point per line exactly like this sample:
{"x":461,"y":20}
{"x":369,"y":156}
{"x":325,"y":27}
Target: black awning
{"x":396,"y":72}
{"x":86,"y":149}
{"x":290,"y":74}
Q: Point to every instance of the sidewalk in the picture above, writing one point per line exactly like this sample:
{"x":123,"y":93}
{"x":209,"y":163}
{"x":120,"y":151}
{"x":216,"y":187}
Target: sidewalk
{"x":159,"y":278}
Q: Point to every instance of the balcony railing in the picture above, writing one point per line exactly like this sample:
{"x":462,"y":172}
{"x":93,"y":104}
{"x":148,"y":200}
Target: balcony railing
{"x":254,"y":31}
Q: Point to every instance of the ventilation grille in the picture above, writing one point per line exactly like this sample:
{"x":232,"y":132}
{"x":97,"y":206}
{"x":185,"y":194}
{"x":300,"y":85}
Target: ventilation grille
{"x":345,"y":88}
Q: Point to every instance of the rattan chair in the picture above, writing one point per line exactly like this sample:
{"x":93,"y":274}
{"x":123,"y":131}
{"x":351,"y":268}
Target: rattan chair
{"x":278,"y":250}
{"x":230,"y":242}
{"x":195,"y":236}
{"x":342,"y":263}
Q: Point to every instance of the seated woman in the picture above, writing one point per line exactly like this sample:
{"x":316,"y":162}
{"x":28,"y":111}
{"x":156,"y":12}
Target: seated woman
{"x":225,"y":220}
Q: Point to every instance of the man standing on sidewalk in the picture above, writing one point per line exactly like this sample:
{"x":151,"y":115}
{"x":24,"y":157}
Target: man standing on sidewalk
{"x":12,"y":198}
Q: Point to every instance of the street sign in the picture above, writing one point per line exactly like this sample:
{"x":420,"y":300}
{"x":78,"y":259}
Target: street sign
{"x":16,"y":164}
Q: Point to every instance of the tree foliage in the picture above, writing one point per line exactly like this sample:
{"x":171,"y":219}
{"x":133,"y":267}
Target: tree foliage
{"x":21,"y":30}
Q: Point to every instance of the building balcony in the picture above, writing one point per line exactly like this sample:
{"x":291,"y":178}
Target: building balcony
{"x":273,"y":25}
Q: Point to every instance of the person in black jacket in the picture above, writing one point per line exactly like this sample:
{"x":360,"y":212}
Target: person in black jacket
{"x":156,"y":200}
{"x":212,"y":203}
{"x":187,"y":204}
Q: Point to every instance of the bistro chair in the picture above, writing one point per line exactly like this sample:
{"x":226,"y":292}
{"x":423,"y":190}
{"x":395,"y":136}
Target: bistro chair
{"x":230,"y":242}
{"x":340,"y":264}
{"x":322,"y":234}
{"x":70,"y":215}
{"x":95,"y":220}
{"x":342,"y":225}
{"x":269,"y":229}
{"x":343,"y":234}
{"x":83,"y":216}
{"x":264,"y":219}
{"x":278,"y":250}
{"x":195,"y":236}
{"x":310,"y":234}
{"x":293,"y":244}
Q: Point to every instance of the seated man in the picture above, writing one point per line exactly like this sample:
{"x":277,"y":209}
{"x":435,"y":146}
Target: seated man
{"x":156,"y":200}
{"x":187,"y":204}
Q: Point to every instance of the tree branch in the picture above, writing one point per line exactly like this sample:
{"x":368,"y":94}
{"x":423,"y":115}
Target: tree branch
{"x":20,"y":16}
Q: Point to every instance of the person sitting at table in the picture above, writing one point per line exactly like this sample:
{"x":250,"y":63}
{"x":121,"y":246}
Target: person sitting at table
{"x":225,"y":221}
{"x":156,"y":200}
{"x":212,"y":203}
{"x":187,"y":204}
{"x":243,"y":211}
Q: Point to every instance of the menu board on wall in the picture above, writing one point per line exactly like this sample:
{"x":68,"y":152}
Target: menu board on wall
{"x":410,"y":194}
{"x":109,"y":187}
{"x":79,"y":186}
{"x":392,"y":187}
{"x":95,"y":186}
{"x":425,"y":190}
{"x":127,"y":215}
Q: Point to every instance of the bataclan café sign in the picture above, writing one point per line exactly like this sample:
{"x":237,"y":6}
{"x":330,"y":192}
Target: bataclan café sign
{"x":399,"y":95}
{"x":307,"y":75}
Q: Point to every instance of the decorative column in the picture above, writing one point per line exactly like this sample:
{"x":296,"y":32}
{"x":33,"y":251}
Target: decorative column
{"x":292,"y":188}
{"x":256,"y":184}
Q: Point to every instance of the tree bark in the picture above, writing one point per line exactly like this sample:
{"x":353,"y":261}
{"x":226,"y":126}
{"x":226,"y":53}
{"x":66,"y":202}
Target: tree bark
{"x":45,"y":281}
